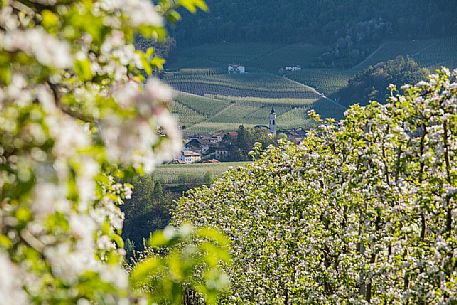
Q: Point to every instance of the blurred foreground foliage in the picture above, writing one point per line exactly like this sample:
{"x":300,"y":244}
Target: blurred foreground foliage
{"x":79,"y":112}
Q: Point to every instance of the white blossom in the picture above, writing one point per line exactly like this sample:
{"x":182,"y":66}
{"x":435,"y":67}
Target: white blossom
{"x":36,"y":42}
{"x":10,"y":283}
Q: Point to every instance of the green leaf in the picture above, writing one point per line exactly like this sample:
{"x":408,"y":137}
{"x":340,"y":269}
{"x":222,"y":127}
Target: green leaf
{"x":214,"y":235}
{"x":83,"y":69}
{"x":144,"y":269}
{"x":173,"y":17}
{"x":50,"y":21}
{"x":158,"y":62}
{"x":158,"y":239}
{"x":192,"y":5}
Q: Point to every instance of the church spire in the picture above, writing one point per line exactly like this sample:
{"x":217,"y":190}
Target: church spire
{"x":272,"y":125}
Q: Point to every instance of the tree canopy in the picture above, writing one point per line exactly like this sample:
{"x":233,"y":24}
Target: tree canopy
{"x":363,"y":211}
{"x":322,"y":22}
{"x":371,"y":84}
{"x":147,"y":211}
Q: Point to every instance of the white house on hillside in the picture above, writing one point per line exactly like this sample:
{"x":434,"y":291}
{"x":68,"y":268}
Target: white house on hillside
{"x":188,"y":156}
{"x":236,"y":69}
{"x":293,"y":68}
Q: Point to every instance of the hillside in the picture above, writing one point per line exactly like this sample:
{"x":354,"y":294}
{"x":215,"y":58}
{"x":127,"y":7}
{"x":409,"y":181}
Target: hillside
{"x":209,"y":102}
{"x":173,"y":174}
{"x":346,"y":32}
{"x":257,"y":56}
{"x":216,"y":100}
{"x":324,"y":21}
{"x":430,"y":53}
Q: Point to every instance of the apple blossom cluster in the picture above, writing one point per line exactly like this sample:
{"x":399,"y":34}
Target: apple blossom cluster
{"x":362,"y":212}
{"x":76,"y":114}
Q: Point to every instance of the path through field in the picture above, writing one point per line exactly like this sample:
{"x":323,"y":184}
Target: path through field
{"x":322,"y":95}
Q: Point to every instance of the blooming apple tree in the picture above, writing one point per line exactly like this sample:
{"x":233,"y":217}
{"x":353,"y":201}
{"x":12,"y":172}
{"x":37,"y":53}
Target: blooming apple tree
{"x":362,"y":212}
{"x":78,"y":113}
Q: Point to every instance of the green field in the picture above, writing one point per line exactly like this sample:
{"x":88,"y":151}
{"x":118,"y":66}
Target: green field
{"x":212,"y":127}
{"x":206,"y":106}
{"x":266,"y":101}
{"x":218,"y":55}
{"x":264,"y":82}
{"x":211,"y":99}
{"x":256,"y":56}
{"x":270,"y":57}
{"x":178,"y":173}
{"x":216,"y":101}
{"x":326,"y":81}
{"x":431,"y":53}
{"x":239,"y":113}
{"x":303,"y":54}
{"x":200,"y":114}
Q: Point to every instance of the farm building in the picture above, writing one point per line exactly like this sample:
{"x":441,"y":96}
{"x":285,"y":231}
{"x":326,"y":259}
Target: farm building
{"x":236,"y":69}
{"x":293,"y":68}
{"x":188,"y":156}
{"x":197,"y":145}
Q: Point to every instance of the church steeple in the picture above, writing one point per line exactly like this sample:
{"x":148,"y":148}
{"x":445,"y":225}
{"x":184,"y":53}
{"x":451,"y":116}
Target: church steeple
{"x":272,"y":125}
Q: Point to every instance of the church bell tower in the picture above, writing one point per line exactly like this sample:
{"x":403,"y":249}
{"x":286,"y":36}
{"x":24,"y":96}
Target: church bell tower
{"x":272,"y":125}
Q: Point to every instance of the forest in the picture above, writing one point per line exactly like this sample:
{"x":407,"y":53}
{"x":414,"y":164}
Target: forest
{"x":320,"y":22}
{"x":371,"y":84}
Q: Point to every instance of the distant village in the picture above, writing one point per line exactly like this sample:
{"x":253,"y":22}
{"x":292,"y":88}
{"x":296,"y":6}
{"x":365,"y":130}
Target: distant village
{"x":225,"y":146}
{"x":221,"y":146}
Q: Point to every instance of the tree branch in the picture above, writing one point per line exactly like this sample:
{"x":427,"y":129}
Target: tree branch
{"x":65,"y":108}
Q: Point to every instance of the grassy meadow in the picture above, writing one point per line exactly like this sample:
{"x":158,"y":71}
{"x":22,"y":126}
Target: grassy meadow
{"x":170,"y":174}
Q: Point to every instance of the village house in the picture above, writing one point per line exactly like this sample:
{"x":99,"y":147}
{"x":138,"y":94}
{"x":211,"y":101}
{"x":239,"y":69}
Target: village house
{"x":296,"y":135}
{"x":197,"y":145}
{"x":293,"y":68}
{"x":221,"y":153}
{"x":232,"y":135}
{"x":217,"y":138}
{"x":188,"y":157}
{"x":236,"y":69}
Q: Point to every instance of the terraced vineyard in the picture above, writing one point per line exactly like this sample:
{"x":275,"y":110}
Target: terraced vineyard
{"x":271,"y":101}
{"x":431,"y":53}
{"x":209,"y":102}
{"x":209,"y":127}
{"x":295,"y":117}
{"x":303,"y":54}
{"x":326,"y":81}
{"x":206,"y":106}
{"x":187,"y":115}
{"x":212,"y":100}
{"x":259,"y":82}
